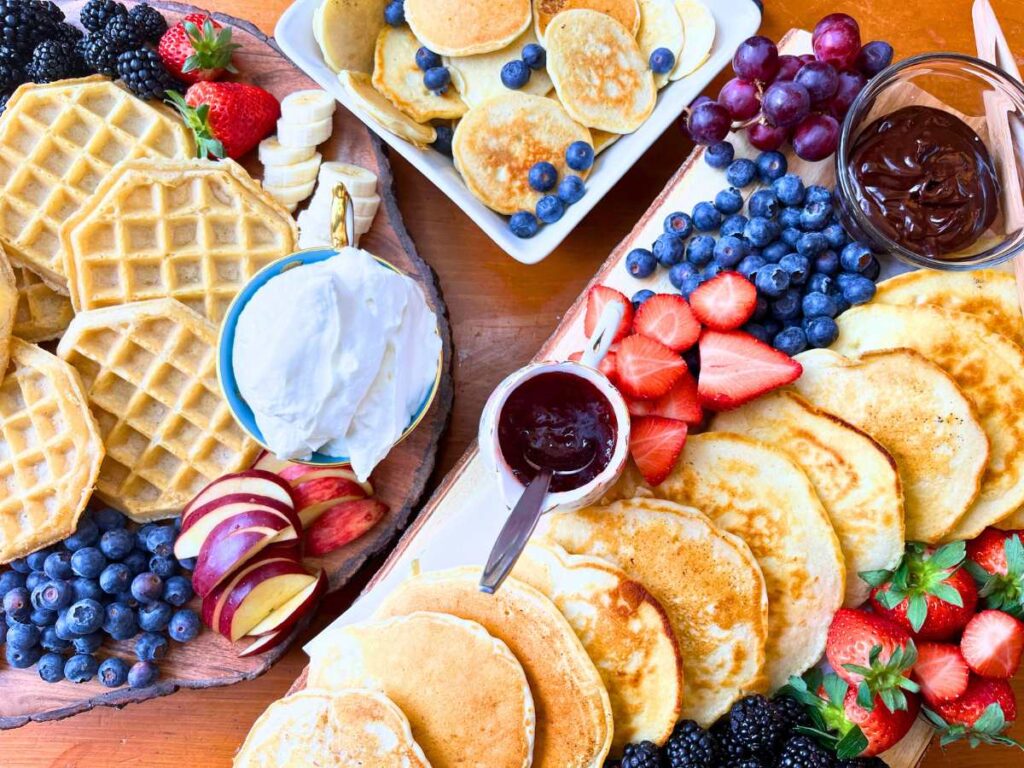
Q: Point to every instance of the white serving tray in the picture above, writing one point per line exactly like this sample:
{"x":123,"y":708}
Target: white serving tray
{"x":736,"y":20}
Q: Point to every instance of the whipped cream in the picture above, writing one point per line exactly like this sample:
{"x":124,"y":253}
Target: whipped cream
{"x":336,"y":357}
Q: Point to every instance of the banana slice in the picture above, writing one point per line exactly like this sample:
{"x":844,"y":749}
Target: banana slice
{"x":359,"y":181}
{"x":304,"y":134}
{"x":365,"y":206}
{"x":363,"y":224}
{"x":292,"y":175}
{"x":312,"y":106}
{"x":272,"y":152}
{"x":290,"y":195}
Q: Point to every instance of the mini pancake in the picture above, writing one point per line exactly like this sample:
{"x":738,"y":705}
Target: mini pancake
{"x":444,"y":673}
{"x":603,"y":140}
{"x":757,"y":493}
{"x":387,"y":115}
{"x":919,"y":415}
{"x":988,"y":294}
{"x":599,"y":72}
{"x":706,"y":579}
{"x":397,"y":77}
{"x":699,"y":33}
{"x":467,"y":27}
{"x":987,"y":366}
{"x":498,"y":141}
{"x":478,"y":78}
{"x":346,"y":31}
{"x":660,"y":27}
{"x":624,"y":630}
{"x":855,"y":478}
{"x":320,"y":727}
{"x":626,"y":12}
{"x":574,"y":718}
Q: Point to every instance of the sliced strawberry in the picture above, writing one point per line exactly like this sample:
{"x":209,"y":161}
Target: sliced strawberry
{"x":681,"y":403}
{"x":725,"y":302}
{"x":668,"y":318}
{"x":735,"y":368}
{"x":606,"y":366}
{"x":598,"y":297}
{"x":992,"y":644}
{"x":941,"y":672}
{"x":655,"y":443}
{"x":647,"y":369}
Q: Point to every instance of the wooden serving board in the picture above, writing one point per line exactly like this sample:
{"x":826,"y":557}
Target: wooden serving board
{"x":399,"y":481}
{"x":459,"y":523}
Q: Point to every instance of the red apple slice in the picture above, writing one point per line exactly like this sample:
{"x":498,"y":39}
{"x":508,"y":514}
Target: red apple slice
{"x":265,"y":643}
{"x":343,"y":523}
{"x":253,"y":482}
{"x":300,"y":473}
{"x":286,"y":616}
{"x":198,"y":526}
{"x":232,"y":542}
{"x":256,"y":596}
{"x":213,"y":603}
{"x":314,"y":497}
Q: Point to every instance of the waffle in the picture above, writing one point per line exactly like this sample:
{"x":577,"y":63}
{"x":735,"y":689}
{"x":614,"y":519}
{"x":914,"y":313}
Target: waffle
{"x":8,"y":308}
{"x":193,"y":230}
{"x":42,"y":313}
{"x":51,"y":451}
{"x":57,"y":143}
{"x":149,"y":370}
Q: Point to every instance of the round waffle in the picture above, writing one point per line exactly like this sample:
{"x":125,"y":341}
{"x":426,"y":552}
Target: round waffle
{"x":397,"y":76}
{"x":42,"y":313}
{"x":465,"y":27}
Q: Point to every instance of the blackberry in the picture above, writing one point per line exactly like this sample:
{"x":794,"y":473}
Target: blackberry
{"x":756,"y":725}
{"x":728,"y":751}
{"x":24,"y":24}
{"x":67,"y":33}
{"x":98,"y":13}
{"x":100,"y":56}
{"x":52,"y":60}
{"x":748,"y":762}
{"x":863,"y":762}
{"x":11,"y":75}
{"x":642,"y":755}
{"x":149,"y":21}
{"x":804,"y":752}
{"x":792,"y":712}
{"x":123,"y":34}
{"x":690,"y":746}
{"x":144,"y":73}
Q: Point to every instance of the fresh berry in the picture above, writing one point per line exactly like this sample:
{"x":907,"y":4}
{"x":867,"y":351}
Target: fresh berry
{"x":124,"y":34}
{"x":100,"y":55}
{"x":996,"y":561}
{"x":535,"y":56}
{"x":98,"y":13}
{"x":437,"y":79}
{"x":228,"y":119}
{"x":81,"y":668}
{"x":662,"y":60}
{"x":982,"y":715}
{"x":725,"y":302}
{"x":719,"y":155}
{"x":992,"y":644}
{"x":642,"y":755}
{"x":52,"y":60}
{"x":655,"y":443}
{"x":736,"y":368}
{"x":571,"y":189}
{"x":646,"y":369}
{"x":689,"y":746}
{"x":51,"y":667}
{"x":184,"y":625}
{"x":427,"y":59}
{"x":443,"y":142}
{"x":523,"y":224}
{"x":579,"y":156}
{"x":542,"y":176}
{"x":598,"y":297}
{"x":727,"y":751}
{"x":197,"y":48}
{"x":515,"y":74}
{"x":741,"y":173}
{"x":883,"y":728}
{"x":668,"y":249}
{"x":113,"y":672}
{"x":144,"y":74}
{"x":668,"y":319}
{"x":149,"y":21}
{"x":803,"y":752}
{"x":682,"y":403}
{"x":641,"y":263}
{"x":151,"y":646}
{"x":143,"y":674}
{"x":756,"y":725}
{"x":941,"y":672}
{"x":607,"y":365}
{"x":550,"y":209}
{"x":792,"y":713}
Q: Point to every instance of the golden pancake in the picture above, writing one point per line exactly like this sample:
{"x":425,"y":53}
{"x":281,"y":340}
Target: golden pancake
{"x":346,"y":31}
{"x":466,"y":27}
{"x":574,"y":719}
{"x":706,"y":579}
{"x":626,"y":633}
{"x":318,"y":727}
{"x":698,"y":34}
{"x":855,"y":478}
{"x":603,"y":140}
{"x":989,"y":369}
{"x":397,"y":77}
{"x":758,"y":493}
{"x":599,"y":72}
{"x":478,"y":78}
{"x":497,"y":143}
{"x":626,"y":12}
{"x":383,"y":112}
{"x":445,"y":674}
{"x":660,"y":27}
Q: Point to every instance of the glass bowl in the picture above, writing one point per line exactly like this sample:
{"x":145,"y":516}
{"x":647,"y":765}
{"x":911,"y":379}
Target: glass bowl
{"x":989,"y":101}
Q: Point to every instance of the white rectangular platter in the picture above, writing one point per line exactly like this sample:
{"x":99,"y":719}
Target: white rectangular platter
{"x":735,"y":19}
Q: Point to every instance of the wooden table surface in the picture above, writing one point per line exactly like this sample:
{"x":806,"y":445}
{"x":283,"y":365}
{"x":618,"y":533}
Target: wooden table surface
{"x":501,"y":311}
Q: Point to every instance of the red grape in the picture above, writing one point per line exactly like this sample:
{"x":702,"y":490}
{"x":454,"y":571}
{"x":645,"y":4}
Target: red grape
{"x":816,"y":137}
{"x":709,"y":123}
{"x":835,"y":20}
{"x":757,"y":58}
{"x":702,"y":99}
{"x":820,"y":80}
{"x":850,"y":84}
{"x":785,"y":104}
{"x":806,"y":58}
{"x":874,"y":57}
{"x":838,"y":45}
{"x":767,"y":137}
{"x":739,"y":97}
{"x":788,"y":67}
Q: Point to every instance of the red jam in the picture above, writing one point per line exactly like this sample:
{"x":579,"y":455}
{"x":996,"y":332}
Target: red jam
{"x":561,"y":422}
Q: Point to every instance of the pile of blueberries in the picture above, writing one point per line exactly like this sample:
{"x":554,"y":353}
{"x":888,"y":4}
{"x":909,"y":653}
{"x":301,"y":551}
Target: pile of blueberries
{"x":543,"y":177}
{"x":806,"y":268}
{"x":104,"y":581}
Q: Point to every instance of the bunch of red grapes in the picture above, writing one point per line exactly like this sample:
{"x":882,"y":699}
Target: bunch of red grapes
{"x":801,"y":99}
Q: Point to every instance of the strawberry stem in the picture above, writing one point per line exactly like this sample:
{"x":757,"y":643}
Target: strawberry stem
{"x":197,"y":120}
{"x":213,"y":47}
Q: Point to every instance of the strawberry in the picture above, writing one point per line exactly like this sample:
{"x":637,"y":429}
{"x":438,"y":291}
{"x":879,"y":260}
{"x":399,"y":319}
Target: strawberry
{"x":647,"y":369}
{"x":992,"y":644}
{"x":882,"y":727}
{"x":197,"y":48}
{"x":981,"y":715}
{"x":597,"y":298}
{"x":606,"y":366}
{"x":996,"y":561}
{"x":227,"y":119}
{"x":681,"y":403}
{"x":655,"y":443}
{"x":874,"y":654}
{"x":929,"y":594}
{"x":668,"y":318}
{"x":941,"y":672}
{"x":735,"y":368}
{"x":725,"y":302}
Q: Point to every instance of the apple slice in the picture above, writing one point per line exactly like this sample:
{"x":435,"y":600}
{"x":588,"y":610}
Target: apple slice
{"x":198,"y":526}
{"x":213,"y":603}
{"x":254,"y":482}
{"x":234,"y":541}
{"x":265,"y":643}
{"x":314,"y":497}
{"x":258,"y":594}
{"x":343,"y":523}
{"x":286,"y":616}
{"x":295,"y":472}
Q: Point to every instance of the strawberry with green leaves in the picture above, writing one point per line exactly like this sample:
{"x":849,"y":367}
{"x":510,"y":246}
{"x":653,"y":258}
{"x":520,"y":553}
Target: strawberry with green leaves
{"x":981,"y":715}
{"x":197,"y":48}
{"x":996,"y":561}
{"x":227,"y":119}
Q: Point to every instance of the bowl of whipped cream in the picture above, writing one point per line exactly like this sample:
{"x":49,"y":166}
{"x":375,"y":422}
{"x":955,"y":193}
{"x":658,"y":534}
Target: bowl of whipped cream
{"x":330,"y":357}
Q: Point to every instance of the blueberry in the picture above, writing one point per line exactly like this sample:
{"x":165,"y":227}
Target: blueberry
{"x":10,"y":580}
{"x":797,"y":266}
{"x":127,"y":598}
{"x":818,"y":194}
{"x":22,"y":635}
{"x":787,"y":306}
{"x":21,"y":658}
{"x":679,"y":274}
{"x":443,"y":140}
{"x":771,"y":166}
{"x":679,"y":224}
{"x":115,"y":578}
{"x":579,"y":156}
{"x":143,"y":674}
{"x":822,"y":331}
{"x":719,"y":155}
{"x":51,"y":667}
{"x":119,"y":621}
{"x":164,"y":567}
{"x":184,"y":625}
{"x":763,"y":203}
{"x":52,"y":595}
{"x":700,"y":250}
{"x":113,"y":672}
{"x":741,"y":172}
{"x":109,"y":519}
{"x":668,"y":250}
{"x":147,"y":587}
{"x":394,"y":13}
{"x":638,"y":298}
{"x":662,"y":60}
{"x":84,"y":617}
{"x":814,"y":216}
{"x":177,"y":591}
{"x":772,"y":280}
{"x":87,"y":534}
{"x":515,"y":74}
{"x":43,"y":617}
{"x":706,"y":217}
{"x":136,"y":562}
{"x":21,"y":565}
{"x":858,"y":289}
{"x":37,"y":560}
{"x":854,"y":257}
{"x":789,"y":189}
{"x":729,"y":201}
{"x":141,"y":533}
{"x":835,"y":235}
{"x":827,"y":262}
{"x":758,"y":331}
{"x":58,"y":565}
{"x":791,"y":236}
{"x":760,"y":231}
{"x":51,"y":641}
{"x":81,"y":668}
{"x":543,"y":176}
{"x":773,"y":252}
{"x":534,"y":56}
{"x":729,"y":251}
{"x":550,"y":209}
{"x":523,"y":224}
{"x":818,"y":304}
{"x":750,"y":264}
{"x":117,"y":543}
{"x":151,"y":647}
{"x":60,"y":627}
{"x":437,"y":79}
{"x":85,"y":588}
{"x":811,"y":244}
{"x":733,"y":225}
{"x":771,"y":326}
{"x":189,"y":563}
{"x":872,"y":270}
{"x":88,"y":562}
{"x":427,"y":59}
{"x":34,"y":579}
{"x":820,"y":283}
{"x":571,"y":189}
{"x":789,"y":216}
{"x":710,"y":271}
{"x":88,"y":643}
{"x":689,"y":284}
{"x":641,"y":263}
{"x":791,"y":341}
